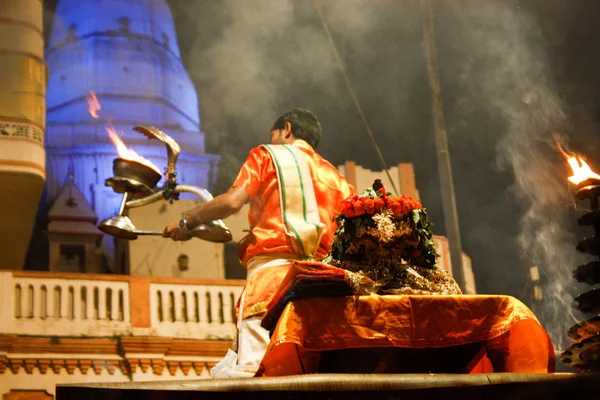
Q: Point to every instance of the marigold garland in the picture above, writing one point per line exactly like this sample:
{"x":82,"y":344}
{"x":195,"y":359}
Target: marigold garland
{"x":383,"y":216}
{"x":371,"y":202}
{"x":385,"y":243}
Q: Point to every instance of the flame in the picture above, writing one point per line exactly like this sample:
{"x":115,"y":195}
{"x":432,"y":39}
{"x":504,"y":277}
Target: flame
{"x":122,"y":150}
{"x":581,"y":170}
{"x":125,"y":152}
{"x":93,"y":104}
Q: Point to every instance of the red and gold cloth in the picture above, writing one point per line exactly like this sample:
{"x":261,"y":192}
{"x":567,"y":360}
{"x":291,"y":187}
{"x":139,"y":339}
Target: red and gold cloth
{"x":258,"y":176}
{"x":506,"y":329}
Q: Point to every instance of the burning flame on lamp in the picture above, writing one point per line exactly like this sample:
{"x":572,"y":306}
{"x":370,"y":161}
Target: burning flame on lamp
{"x":581,"y":171}
{"x":122,"y":150}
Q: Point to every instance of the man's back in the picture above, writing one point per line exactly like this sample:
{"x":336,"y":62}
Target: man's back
{"x":312,"y":190}
{"x":258,"y":177}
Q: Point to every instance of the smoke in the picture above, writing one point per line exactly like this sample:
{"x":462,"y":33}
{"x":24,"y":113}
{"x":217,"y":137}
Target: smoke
{"x":267,"y":56}
{"x":506,"y":72}
{"x":269,"y":50}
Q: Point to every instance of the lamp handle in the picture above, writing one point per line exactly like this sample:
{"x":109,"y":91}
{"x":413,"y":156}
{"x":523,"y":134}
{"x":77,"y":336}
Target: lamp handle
{"x":216,"y":231}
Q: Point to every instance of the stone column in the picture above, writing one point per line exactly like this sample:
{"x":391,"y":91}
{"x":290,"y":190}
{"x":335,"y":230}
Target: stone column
{"x":22,"y":121}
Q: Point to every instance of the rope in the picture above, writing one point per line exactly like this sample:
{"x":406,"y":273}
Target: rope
{"x":352,"y":94}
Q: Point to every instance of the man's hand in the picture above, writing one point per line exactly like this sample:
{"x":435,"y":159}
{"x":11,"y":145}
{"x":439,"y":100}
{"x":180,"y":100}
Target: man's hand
{"x":220,"y":207}
{"x":172,"y":230}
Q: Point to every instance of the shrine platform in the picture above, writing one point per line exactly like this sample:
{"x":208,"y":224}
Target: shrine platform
{"x":491,"y":386}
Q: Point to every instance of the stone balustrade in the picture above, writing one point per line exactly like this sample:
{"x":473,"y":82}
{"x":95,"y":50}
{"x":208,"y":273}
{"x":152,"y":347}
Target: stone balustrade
{"x":58,"y":304}
{"x":193,"y":311}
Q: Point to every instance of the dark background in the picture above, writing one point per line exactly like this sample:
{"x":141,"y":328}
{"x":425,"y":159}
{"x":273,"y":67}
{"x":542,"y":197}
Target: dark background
{"x":513,"y":73}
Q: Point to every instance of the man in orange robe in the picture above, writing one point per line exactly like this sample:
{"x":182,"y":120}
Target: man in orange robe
{"x":293,"y":194}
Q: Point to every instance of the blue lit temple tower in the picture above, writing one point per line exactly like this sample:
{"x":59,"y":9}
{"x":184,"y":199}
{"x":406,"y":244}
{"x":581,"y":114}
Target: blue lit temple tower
{"x":126,"y":52}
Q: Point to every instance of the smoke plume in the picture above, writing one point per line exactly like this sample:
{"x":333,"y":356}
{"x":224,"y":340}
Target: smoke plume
{"x":507,"y":73}
{"x":267,"y":56}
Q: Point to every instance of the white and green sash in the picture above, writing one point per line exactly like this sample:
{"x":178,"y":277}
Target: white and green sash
{"x":300,"y":211}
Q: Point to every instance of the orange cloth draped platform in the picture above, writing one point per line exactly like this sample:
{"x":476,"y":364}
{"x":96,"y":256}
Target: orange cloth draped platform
{"x":466,"y":333}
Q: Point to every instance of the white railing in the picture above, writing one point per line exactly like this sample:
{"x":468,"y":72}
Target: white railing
{"x":50,"y":304}
{"x":198,"y":311}
{"x":69,"y":307}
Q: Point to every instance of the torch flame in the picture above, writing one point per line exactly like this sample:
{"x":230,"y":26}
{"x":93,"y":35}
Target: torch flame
{"x":122,"y":150}
{"x":581,"y":170}
{"x":93,"y":104}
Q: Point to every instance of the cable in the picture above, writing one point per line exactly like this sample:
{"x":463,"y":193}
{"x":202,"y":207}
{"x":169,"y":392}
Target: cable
{"x":352,"y":94}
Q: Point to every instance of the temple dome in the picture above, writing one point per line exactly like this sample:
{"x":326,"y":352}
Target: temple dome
{"x":119,"y":49}
{"x":85,"y":18}
{"x":126,"y":53}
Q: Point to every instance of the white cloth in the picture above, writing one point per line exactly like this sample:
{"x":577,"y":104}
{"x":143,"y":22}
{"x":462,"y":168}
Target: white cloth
{"x":228,"y":368}
{"x":252,"y":338}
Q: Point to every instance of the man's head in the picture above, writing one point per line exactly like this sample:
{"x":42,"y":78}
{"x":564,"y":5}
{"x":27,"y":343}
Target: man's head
{"x":296,"y":124}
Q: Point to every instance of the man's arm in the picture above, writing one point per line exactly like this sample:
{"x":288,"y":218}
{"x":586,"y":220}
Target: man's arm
{"x":220,"y":207}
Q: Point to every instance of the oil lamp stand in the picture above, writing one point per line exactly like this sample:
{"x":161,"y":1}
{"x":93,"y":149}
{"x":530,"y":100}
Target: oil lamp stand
{"x":137,"y":182}
{"x":585,"y":354}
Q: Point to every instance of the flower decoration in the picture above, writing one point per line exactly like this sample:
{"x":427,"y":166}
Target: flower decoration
{"x":371,"y":202}
{"x":385,"y":226}
{"x":397,"y":224}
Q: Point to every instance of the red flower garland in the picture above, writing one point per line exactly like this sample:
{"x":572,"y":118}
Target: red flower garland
{"x":355,"y":206}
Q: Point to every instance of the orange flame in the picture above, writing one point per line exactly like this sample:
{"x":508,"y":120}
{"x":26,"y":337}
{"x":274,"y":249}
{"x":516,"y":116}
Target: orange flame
{"x":126,"y":153}
{"x":122,"y":150}
{"x":93,"y":104}
{"x":581,"y":171}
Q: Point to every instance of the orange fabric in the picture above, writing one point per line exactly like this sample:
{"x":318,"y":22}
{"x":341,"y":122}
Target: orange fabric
{"x":295,"y":270}
{"x":513,"y":338}
{"x":260,"y":289}
{"x":258,"y":177}
{"x":483,"y":366}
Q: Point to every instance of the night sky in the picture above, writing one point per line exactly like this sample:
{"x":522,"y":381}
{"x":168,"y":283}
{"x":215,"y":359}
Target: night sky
{"x":512,"y":74}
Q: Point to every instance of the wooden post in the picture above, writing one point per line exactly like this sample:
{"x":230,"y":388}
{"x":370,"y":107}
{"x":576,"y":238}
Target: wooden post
{"x":443,"y":153}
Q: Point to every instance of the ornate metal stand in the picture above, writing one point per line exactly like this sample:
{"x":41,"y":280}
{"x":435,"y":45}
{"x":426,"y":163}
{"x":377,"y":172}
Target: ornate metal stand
{"x":137,"y":182}
{"x":585,"y":354}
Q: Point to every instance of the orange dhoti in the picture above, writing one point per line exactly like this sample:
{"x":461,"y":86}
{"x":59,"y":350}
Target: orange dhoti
{"x":265,"y":275}
{"x":464,"y":333}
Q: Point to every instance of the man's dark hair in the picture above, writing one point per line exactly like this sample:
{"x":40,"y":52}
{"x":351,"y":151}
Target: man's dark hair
{"x":305,"y":125}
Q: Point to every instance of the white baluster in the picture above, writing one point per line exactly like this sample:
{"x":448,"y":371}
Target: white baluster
{"x":173,"y":312}
{"x":50,"y":301}
{"x":23,"y":301}
{"x":189,"y":305}
{"x":195,"y":299}
{"x":89,"y":302}
{"x":76,"y":301}
{"x":101,"y":303}
{"x":30,"y":297}
{"x":64,"y":302}
{"x":43,"y":301}
{"x":126,"y":306}
{"x":114,"y":309}
{"x":215,"y":305}
{"x":164,"y":305}
{"x":227,"y":307}
{"x":36,"y":298}
{"x":203,"y":304}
